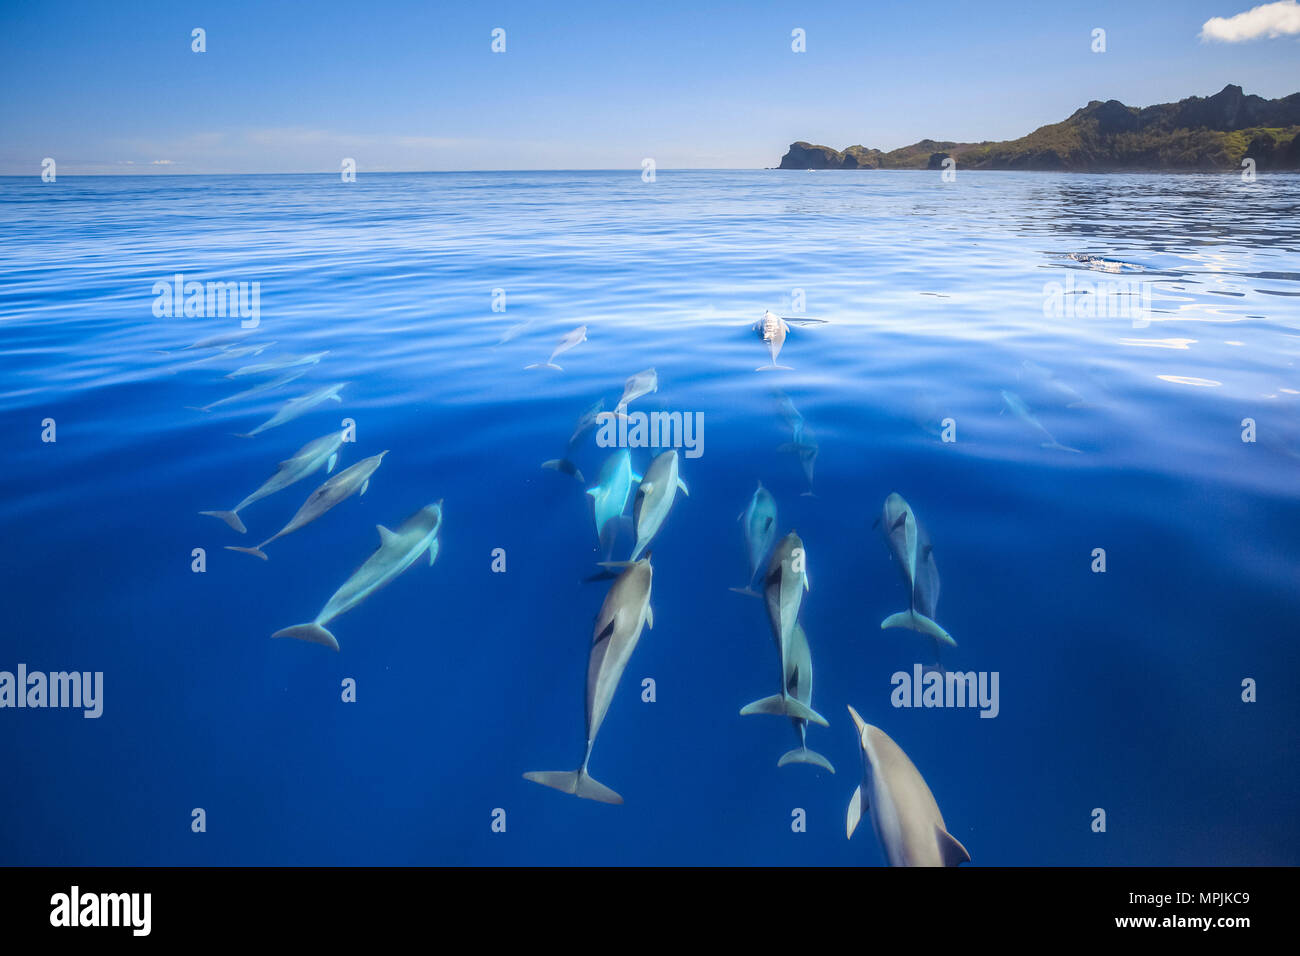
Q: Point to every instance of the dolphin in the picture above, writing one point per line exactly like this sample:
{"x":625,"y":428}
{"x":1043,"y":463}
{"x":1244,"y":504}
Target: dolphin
{"x":397,"y":551}
{"x":224,"y":352}
{"x":793,"y":419}
{"x":759,"y":523}
{"x":296,"y":407}
{"x":783,"y":587}
{"x":571,"y":340}
{"x":1067,"y":393}
{"x":642,"y":383}
{"x":903,"y":811}
{"x":275,"y":383}
{"x":585,"y":424}
{"x":1018,"y":408}
{"x":216,"y":341}
{"x":625,"y":611}
{"x":336,"y":489}
{"x":773,"y":329}
{"x":805,"y":448}
{"x":654,"y":498}
{"x":911,"y":546}
{"x":305,"y":461}
{"x":513,"y":332}
{"x":613,"y":487}
{"x":798,"y":683}
{"x":313,"y":359}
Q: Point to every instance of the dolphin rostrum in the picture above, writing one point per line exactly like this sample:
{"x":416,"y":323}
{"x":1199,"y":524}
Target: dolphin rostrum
{"x":642,"y":383}
{"x":397,"y":551}
{"x":336,"y":489}
{"x":654,"y":498}
{"x":296,"y":407}
{"x":571,"y":340}
{"x":625,"y":611}
{"x":612,"y":488}
{"x":903,"y":811}
{"x":798,"y":683}
{"x":759,"y":523}
{"x":305,"y":461}
{"x":1022,"y":412}
{"x":783,"y":587}
{"x":911,"y":546}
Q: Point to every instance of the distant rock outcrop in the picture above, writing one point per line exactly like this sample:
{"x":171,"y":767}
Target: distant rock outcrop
{"x":1213,"y":132}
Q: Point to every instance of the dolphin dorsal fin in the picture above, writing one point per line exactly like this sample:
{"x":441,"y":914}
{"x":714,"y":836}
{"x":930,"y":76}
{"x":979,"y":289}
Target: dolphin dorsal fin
{"x":855,"y":812}
{"x":950,"y":849}
{"x":385,"y":536}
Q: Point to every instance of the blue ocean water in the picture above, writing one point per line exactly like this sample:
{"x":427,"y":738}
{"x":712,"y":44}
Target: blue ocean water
{"x":1119,"y":690}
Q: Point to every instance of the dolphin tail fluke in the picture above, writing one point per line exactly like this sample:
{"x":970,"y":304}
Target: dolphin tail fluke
{"x":564,"y":467}
{"x":256,"y":552}
{"x":919,"y":623}
{"x":230,"y":518}
{"x":769,"y":368}
{"x":309,"y":632}
{"x":782,"y":705}
{"x":1057,"y":446}
{"x":577,"y":782}
{"x":804,"y":755}
{"x":544,"y":365}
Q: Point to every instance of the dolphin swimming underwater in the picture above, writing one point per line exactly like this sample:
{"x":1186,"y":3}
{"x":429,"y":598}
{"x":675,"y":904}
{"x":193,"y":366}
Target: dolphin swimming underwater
{"x":798,"y":684}
{"x":571,"y":340}
{"x":224,"y":352}
{"x":397,"y":551}
{"x":805,"y":448}
{"x":302,"y":360}
{"x":783,"y":587}
{"x":296,"y":407}
{"x":654,"y":498}
{"x":625,"y":611}
{"x":305,"y":461}
{"x":285,"y":379}
{"x":911,"y":546}
{"x":773,"y":329}
{"x":613,"y":487}
{"x":584,"y":424}
{"x":336,"y":489}
{"x":642,"y":383}
{"x":759,"y":523}
{"x":903,"y":811}
{"x":1022,"y":412}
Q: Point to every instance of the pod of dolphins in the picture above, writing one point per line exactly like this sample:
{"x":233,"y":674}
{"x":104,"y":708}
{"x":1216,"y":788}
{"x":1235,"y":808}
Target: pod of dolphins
{"x":397,"y":551}
{"x":904,"y":813}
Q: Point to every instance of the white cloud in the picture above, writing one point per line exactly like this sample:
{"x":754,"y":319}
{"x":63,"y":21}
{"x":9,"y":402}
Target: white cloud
{"x":1267,"y":20}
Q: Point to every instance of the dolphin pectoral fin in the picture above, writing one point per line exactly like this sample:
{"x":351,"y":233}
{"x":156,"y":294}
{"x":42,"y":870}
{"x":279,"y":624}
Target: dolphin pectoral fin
{"x":230,"y":518}
{"x":329,"y":465}
{"x":854,"y":816}
{"x":433,"y":552}
{"x":747,"y":591}
{"x":576,"y":782}
{"x":899,"y":522}
{"x":682,"y":486}
{"x":337,"y":398}
{"x":650,"y":617}
{"x":950,"y":849}
{"x":915,"y":621}
{"x":309,"y":632}
{"x":256,"y":552}
{"x":565,"y":467}
{"x":804,"y":755}
{"x":364,"y":485}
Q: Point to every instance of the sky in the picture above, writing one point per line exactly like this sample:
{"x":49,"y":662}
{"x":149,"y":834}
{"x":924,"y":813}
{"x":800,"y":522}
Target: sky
{"x":296,"y":87}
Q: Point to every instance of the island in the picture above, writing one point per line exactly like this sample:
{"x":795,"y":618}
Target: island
{"x":1198,"y":133}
